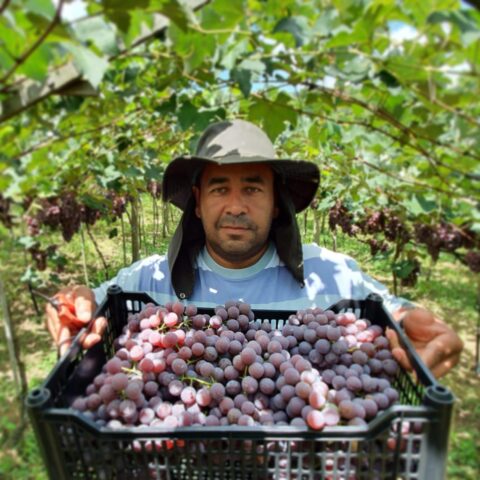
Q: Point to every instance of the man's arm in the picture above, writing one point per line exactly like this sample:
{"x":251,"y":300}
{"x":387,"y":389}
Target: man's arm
{"x":438,"y":345}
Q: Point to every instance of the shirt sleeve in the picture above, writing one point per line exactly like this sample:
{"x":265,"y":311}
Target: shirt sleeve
{"x":127,"y":278}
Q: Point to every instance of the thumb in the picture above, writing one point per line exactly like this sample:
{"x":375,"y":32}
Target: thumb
{"x":398,"y":352}
{"x":84,"y":300}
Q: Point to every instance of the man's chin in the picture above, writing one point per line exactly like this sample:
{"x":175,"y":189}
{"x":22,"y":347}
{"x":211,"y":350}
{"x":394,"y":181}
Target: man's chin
{"x":239,"y":252}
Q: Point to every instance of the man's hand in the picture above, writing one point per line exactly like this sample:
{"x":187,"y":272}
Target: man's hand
{"x":436,"y":343}
{"x":74,"y":311}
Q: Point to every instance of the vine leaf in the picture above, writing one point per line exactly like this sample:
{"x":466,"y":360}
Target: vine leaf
{"x":91,"y":66}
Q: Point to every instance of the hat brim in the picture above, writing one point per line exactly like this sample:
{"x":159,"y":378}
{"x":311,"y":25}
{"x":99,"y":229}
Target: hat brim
{"x":300,"y":178}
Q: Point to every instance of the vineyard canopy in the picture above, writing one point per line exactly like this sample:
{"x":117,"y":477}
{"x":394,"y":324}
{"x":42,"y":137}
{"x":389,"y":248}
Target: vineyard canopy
{"x":383,"y":95}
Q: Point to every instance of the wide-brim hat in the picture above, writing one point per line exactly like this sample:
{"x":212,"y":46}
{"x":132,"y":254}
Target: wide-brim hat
{"x":238,"y":141}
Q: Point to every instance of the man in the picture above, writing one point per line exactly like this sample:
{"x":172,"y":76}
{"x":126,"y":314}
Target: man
{"x":238,"y":239}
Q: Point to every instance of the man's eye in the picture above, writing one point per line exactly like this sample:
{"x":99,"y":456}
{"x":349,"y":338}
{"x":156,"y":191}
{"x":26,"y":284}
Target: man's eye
{"x":253,"y":189}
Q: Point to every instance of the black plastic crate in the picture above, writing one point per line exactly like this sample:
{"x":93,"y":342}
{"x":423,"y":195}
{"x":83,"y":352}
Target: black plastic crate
{"x":407,"y":441}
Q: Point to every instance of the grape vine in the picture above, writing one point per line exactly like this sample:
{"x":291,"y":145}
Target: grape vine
{"x":384,"y":230}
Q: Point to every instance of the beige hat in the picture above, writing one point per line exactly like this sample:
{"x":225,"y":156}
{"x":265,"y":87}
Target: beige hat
{"x":238,"y":141}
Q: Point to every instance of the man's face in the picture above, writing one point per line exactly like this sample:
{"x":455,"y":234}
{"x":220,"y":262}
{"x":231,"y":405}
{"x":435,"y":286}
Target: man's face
{"x":236,"y":204}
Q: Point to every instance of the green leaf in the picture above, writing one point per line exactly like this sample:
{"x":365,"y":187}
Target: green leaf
{"x":6,"y":61}
{"x":168,"y":106}
{"x":109,"y":176}
{"x":403,"y":268}
{"x":190,"y":117}
{"x":326,"y":23}
{"x":178,"y":13}
{"x":345,"y":36}
{"x":243,"y":78}
{"x":36,"y":65}
{"x":120,"y":18}
{"x":98,"y":32}
{"x":45,"y":8}
{"x":142,"y":24}
{"x":231,"y":56}
{"x":462,"y":20}
{"x":273,"y":116}
{"x":133,"y":172}
{"x":27,"y":242}
{"x":354,"y":69}
{"x":222,"y":14}
{"x":90,"y":65}
{"x":291,"y":25}
{"x":93,"y":202}
{"x":12,"y":41}
{"x":253,"y":65}
{"x":32,"y":277}
{"x":420,"y":204}
{"x":195,"y":48}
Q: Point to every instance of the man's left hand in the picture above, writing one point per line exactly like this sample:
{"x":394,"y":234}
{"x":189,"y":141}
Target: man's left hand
{"x":436,"y":343}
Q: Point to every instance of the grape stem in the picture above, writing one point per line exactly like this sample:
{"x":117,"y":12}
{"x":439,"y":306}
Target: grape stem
{"x":184,"y":378}
{"x":133,"y":371}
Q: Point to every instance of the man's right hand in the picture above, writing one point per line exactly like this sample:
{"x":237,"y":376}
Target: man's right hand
{"x":75,"y":308}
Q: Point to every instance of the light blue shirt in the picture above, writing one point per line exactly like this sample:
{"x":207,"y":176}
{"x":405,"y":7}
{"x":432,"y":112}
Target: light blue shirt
{"x":268,"y":284}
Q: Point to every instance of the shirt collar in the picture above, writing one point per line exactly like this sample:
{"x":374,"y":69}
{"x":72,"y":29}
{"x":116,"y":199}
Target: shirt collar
{"x":238,"y":273}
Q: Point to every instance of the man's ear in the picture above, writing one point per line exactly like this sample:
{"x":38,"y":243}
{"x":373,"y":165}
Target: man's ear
{"x":196,"y":194}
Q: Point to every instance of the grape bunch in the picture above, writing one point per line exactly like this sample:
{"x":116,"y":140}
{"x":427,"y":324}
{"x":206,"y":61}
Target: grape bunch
{"x":339,"y":215}
{"x":174,"y":367}
{"x":154,"y":188}
{"x":118,"y":203}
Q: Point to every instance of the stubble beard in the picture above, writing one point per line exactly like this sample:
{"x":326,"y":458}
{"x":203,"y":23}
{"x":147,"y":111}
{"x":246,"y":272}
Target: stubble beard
{"x":238,"y":250}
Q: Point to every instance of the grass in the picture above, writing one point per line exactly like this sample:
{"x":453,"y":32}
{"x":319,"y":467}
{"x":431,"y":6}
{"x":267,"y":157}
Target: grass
{"x":448,"y":289}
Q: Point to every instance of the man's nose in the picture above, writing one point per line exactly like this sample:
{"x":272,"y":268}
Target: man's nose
{"x":236,"y":203}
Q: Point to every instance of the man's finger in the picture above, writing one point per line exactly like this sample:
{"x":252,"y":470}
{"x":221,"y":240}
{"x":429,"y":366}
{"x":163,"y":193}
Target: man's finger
{"x":442,"y":351}
{"x":99,"y":325}
{"x":90,"y":340}
{"x":52,"y":320}
{"x":84,"y":301}
{"x":398,"y":352}
{"x":392,"y":338}
{"x":445,"y":366}
{"x":400,"y":355}
{"x":64,"y":339}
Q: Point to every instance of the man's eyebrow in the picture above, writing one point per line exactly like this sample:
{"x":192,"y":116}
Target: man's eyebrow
{"x":254,"y":179}
{"x":216,"y":180}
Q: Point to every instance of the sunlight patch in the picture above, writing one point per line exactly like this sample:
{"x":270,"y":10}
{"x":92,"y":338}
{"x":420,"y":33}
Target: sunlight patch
{"x":313,"y":284}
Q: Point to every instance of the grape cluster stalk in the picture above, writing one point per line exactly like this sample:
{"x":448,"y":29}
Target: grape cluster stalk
{"x":174,"y":367}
